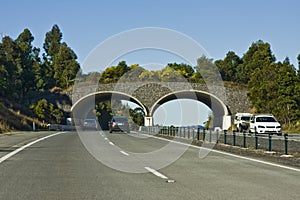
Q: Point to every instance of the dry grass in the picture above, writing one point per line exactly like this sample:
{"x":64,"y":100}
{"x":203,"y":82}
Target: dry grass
{"x":11,"y":120}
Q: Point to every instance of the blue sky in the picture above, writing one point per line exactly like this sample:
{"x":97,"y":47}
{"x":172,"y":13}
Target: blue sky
{"x":219,"y":26}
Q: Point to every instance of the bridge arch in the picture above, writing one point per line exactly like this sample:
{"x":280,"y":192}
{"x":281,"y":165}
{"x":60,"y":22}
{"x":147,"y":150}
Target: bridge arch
{"x":222,"y":115}
{"x":85,"y":104}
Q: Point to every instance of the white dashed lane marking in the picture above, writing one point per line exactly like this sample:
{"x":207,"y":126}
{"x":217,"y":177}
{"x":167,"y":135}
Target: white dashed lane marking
{"x":112,"y":144}
{"x":124,"y":153}
{"x":156,"y":173}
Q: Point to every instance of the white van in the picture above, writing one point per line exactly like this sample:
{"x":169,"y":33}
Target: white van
{"x":242,"y":121}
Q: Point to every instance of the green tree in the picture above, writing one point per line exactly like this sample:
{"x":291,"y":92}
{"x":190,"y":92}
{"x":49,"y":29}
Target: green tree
{"x":258,"y":56}
{"x":53,"y":41}
{"x":197,"y":78}
{"x":298,"y":67}
{"x":38,"y":71}
{"x":209,"y":123}
{"x":207,"y":70}
{"x":263,"y":88}
{"x":132,"y":75}
{"x":26,"y":60}
{"x":103,"y":113}
{"x":168,"y":74}
{"x":137,"y":115}
{"x":114,"y":73}
{"x":65,"y":66}
{"x":60,"y":65}
{"x":183,"y":69}
{"x":274,"y":89}
{"x":298,"y":61}
{"x":10,"y":69}
{"x":51,"y":46}
{"x":149,"y":76}
{"x":41,"y":109}
{"x":3,"y":80}
{"x":228,"y":66}
{"x":288,"y":93}
{"x":56,"y":114}
{"x":47,"y":111}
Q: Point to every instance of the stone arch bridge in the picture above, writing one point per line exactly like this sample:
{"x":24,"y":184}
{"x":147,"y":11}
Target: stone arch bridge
{"x":223,"y":101}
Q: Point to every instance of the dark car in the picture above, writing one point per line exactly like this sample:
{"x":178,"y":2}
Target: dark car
{"x":119,"y":123}
{"x":90,"y":124}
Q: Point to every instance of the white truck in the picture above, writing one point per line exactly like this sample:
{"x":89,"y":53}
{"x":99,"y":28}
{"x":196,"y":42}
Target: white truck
{"x":242,"y":122}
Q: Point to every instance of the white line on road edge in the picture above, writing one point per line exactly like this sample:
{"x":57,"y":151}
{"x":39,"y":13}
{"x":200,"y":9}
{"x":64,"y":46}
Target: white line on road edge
{"x":232,"y":155}
{"x":123,"y":152}
{"x":112,"y":144}
{"x":2,"y":159}
{"x":156,"y":173}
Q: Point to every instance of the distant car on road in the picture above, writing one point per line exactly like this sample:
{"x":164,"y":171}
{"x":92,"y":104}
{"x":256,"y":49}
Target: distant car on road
{"x":119,"y":123}
{"x":90,"y":124}
{"x":264,"y":124}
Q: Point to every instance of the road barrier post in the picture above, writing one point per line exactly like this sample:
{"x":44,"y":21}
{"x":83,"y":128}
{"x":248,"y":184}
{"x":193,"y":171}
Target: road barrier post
{"x":234,"y":138}
{"x":244,"y":140}
{"x":270,"y":142}
{"x":217,"y":137}
{"x":209,"y":135}
{"x":193,"y":134}
{"x":225,"y":136}
{"x":256,"y":141}
{"x":180,"y":132}
{"x":286,"y":144}
{"x":204,"y":135}
{"x":198,"y":134}
{"x":189,"y":133}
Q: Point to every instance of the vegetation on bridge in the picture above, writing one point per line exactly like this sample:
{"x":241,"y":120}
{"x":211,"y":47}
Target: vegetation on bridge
{"x":26,"y":73}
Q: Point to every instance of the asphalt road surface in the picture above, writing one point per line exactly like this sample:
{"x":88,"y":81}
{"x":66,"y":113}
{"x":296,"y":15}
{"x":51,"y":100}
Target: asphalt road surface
{"x":61,"y":167}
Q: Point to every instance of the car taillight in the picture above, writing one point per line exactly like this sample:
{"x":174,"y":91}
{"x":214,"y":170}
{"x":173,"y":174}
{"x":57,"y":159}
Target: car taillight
{"x":113,"y":124}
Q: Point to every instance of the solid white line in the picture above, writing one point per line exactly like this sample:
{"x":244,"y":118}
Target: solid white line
{"x":123,"y":152}
{"x":156,"y":173}
{"x":105,"y":138}
{"x":112,"y":144}
{"x":230,"y":154}
{"x":7,"y":156}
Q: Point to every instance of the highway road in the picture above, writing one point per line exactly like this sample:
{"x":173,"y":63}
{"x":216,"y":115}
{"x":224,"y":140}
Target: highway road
{"x":61,"y":167}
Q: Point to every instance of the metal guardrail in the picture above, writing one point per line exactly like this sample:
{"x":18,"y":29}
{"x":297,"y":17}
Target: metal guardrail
{"x":59,"y":127}
{"x":284,"y":144}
